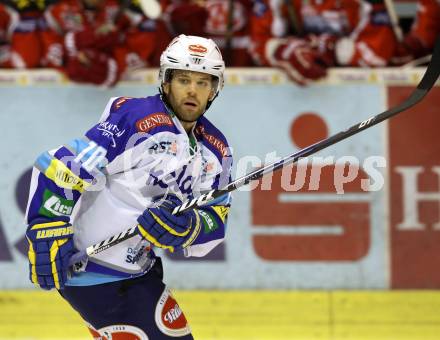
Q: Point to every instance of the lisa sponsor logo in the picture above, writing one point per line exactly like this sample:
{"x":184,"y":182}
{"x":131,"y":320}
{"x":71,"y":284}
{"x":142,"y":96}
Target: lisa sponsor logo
{"x":54,"y":205}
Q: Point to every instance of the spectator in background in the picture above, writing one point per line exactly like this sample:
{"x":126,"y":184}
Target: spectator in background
{"x":8,"y":21}
{"x":421,"y":38}
{"x":96,"y":41}
{"x":304,"y":38}
{"x":25,"y":47}
{"x":212,"y":19}
{"x":145,"y":39}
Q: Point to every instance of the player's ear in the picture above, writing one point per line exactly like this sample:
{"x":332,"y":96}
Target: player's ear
{"x":212,"y":93}
{"x":214,"y":83}
{"x":166,"y":88}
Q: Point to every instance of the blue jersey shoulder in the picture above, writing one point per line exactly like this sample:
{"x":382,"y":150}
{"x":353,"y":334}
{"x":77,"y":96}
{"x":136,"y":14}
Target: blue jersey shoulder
{"x":212,"y":138}
{"x":127,"y":117}
{"x":147,"y":115}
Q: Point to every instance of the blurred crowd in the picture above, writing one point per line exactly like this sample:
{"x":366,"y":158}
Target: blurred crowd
{"x":98,"y":41}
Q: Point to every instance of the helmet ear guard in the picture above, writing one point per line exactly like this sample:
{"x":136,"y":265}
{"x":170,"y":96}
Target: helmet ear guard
{"x":192,"y":53}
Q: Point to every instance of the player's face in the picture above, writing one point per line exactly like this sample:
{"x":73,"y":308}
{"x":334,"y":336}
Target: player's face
{"x":188,"y":93}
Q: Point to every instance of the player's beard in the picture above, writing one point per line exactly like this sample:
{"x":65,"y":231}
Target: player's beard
{"x":188,"y":113}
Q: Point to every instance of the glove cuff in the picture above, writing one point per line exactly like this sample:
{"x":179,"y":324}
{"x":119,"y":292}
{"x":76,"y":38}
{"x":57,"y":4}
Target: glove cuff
{"x":195,"y":230}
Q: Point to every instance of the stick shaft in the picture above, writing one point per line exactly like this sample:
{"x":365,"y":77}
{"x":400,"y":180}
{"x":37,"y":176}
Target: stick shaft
{"x":391,"y":9}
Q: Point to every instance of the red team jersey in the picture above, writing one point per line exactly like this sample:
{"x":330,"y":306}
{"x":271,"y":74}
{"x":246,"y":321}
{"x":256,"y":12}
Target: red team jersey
{"x":8,"y":21}
{"x":24,"y":35}
{"x":128,"y":37}
{"x":366,"y":25}
{"x":216,"y":28}
{"x":426,"y":26}
{"x":210,"y":19}
{"x":67,"y":20}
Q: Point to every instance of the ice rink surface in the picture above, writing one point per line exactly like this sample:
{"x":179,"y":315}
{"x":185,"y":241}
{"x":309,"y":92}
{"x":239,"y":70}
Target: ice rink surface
{"x":229,"y":315}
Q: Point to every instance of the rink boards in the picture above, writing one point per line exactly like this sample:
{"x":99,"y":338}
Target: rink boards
{"x":277,"y":238}
{"x":257,"y":315}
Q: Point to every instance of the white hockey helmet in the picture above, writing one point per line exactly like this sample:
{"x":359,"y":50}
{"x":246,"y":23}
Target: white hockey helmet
{"x":192,"y":53}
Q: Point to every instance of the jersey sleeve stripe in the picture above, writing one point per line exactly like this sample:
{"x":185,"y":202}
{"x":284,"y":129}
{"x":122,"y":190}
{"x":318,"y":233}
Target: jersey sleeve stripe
{"x":59,"y":173}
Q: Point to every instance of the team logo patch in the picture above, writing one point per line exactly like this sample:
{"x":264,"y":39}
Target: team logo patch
{"x":153,"y":120}
{"x":208,"y":167}
{"x":118,"y":332}
{"x":169,"y":317}
{"x":221,"y":211}
{"x":200,"y":49}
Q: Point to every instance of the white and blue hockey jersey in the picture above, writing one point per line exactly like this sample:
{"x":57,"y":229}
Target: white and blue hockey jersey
{"x":106,"y":179}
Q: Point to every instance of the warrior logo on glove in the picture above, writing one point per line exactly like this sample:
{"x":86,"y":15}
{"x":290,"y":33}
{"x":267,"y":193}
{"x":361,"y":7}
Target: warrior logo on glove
{"x":50,"y":247}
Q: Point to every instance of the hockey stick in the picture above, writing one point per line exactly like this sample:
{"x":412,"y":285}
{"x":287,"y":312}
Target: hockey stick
{"x":429,"y":78}
{"x":417,"y":62}
{"x":229,"y":33}
{"x":391,"y":9}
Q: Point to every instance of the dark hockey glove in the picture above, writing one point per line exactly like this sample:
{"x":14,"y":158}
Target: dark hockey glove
{"x":50,"y":248}
{"x":165,"y":230}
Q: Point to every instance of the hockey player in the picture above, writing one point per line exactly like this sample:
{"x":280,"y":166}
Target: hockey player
{"x":81,"y":37}
{"x":8,"y":22}
{"x":96,"y":41}
{"x":421,"y":38}
{"x":25,"y":48}
{"x":304,"y":38}
{"x":142,"y":159}
{"x":213,"y":19}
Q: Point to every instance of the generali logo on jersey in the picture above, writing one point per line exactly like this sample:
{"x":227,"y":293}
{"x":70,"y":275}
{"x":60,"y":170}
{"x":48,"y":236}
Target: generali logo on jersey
{"x":153,"y":120}
{"x":214,"y":141}
{"x":200,"y":49}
